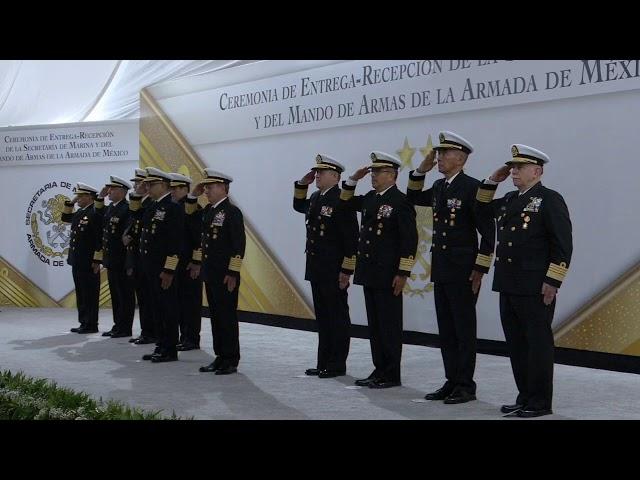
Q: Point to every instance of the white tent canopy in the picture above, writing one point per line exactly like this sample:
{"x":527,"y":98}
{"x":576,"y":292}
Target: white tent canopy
{"x":36,"y":92}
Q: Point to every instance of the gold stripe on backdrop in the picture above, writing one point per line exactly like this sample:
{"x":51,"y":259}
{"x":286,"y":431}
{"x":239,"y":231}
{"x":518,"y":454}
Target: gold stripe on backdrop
{"x":18,"y":290}
{"x":609,"y":322}
{"x":265,"y":287}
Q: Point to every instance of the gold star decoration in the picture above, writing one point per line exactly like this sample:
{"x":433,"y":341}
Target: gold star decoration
{"x":405,"y":154}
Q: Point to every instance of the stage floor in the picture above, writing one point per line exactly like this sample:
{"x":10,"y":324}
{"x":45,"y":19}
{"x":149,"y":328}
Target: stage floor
{"x":271,"y":382}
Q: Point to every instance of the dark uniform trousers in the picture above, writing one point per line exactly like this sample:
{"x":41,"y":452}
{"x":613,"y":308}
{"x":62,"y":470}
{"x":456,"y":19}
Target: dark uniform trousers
{"x":160,"y":243}
{"x":222,"y":248}
{"x":121,"y":286}
{"x":141,"y":286}
{"x":534,"y":247}
{"x":86,"y":229}
{"x":189,"y":289}
{"x":387,"y":248}
{"x":454,"y":255}
{"x":332,"y":238}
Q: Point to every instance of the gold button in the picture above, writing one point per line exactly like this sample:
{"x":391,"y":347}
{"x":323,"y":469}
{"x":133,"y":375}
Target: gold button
{"x":510,"y":244}
{"x":319,"y":217}
{"x":378,"y":232}
{"x":380,"y":225}
{"x":366,"y":255}
{"x":497,"y":259}
{"x":358,"y":252}
{"x":434,"y":232}
{"x":501,"y":228}
{"x":509,"y":260}
{"x":434,"y":244}
{"x":322,"y":226}
{"x":312,"y":241}
{"x":444,"y":247}
{"x":368,"y":242}
{"x":206,"y":245}
{"x":444,"y":234}
{"x":370,"y":228}
{"x":513,"y":228}
{"x":435,"y":219}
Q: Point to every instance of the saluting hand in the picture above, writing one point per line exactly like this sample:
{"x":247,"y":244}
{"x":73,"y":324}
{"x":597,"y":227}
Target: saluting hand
{"x":428,"y":163}
{"x":501,"y":174}
{"x":360,"y":173}
{"x":308,"y":178}
{"x":104,"y":192}
{"x":197,"y":190}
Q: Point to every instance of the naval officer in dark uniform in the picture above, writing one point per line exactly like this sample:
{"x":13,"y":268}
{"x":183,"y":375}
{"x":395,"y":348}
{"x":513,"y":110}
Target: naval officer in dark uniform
{"x":457,"y":262}
{"x":222,"y":248}
{"x":386,"y":254}
{"x":533,"y":253}
{"x":113,"y":256}
{"x":332,"y":238}
{"x":86,"y":233}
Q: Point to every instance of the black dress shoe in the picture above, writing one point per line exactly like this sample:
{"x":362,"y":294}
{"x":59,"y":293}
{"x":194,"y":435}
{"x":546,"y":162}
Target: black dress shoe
{"x":133,"y":339}
{"x":75,"y":329}
{"x":439,"y":394}
{"x":511,"y":408}
{"x":107,"y":334}
{"x":87,"y":330}
{"x":530,"y":413}
{"x":312,"y":371}
{"x":120,"y":334}
{"x":383,"y":384}
{"x":226,"y":370}
{"x":459,"y":397}
{"x":149,"y":356}
{"x":365,"y":382}
{"x":331,"y":373}
{"x":185,"y":347}
{"x":144,"y":340}
{"x":212,"y":367}
{"x":164,"y":358}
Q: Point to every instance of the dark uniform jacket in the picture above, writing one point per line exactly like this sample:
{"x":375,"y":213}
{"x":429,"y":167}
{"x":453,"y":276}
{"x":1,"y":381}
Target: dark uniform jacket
{"x":454,"y":248}
{"x":114,"y":223}
{"x":161,"y":237}
{"x":534,"y":238}
{"x":86,"y":234}
{"x":223,"y":239}
{"x":191,"y":251}
{"x":137,"y":208}
{"x":388,"y":236}
{"x":332,"y":234}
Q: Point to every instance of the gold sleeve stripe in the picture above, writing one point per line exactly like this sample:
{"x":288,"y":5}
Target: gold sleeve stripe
{"x":190,"y":208}
{"x":416,"y":184}
{"x":484,"y":195}
{"x":300,"y":191}
{"x":197,"y":255}
{"x":349,"y":263}
{"x":484,"y":260}
{"x":97,"y":255}
{"x":235,"y":263}
{"x":346,"y":194}
{"x":171,"y":263}
{"x":407,"y":264}
{"x":557,"y":272}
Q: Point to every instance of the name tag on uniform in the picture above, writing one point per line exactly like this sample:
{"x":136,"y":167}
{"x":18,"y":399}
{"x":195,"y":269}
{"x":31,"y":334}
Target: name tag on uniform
{"x":533,"y":205}
{"x":326,"y":211}
{"x":454,"y":203}
{"x":218,"y":220}
{"x":159,"y":215}
{"x":385,"y":211}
